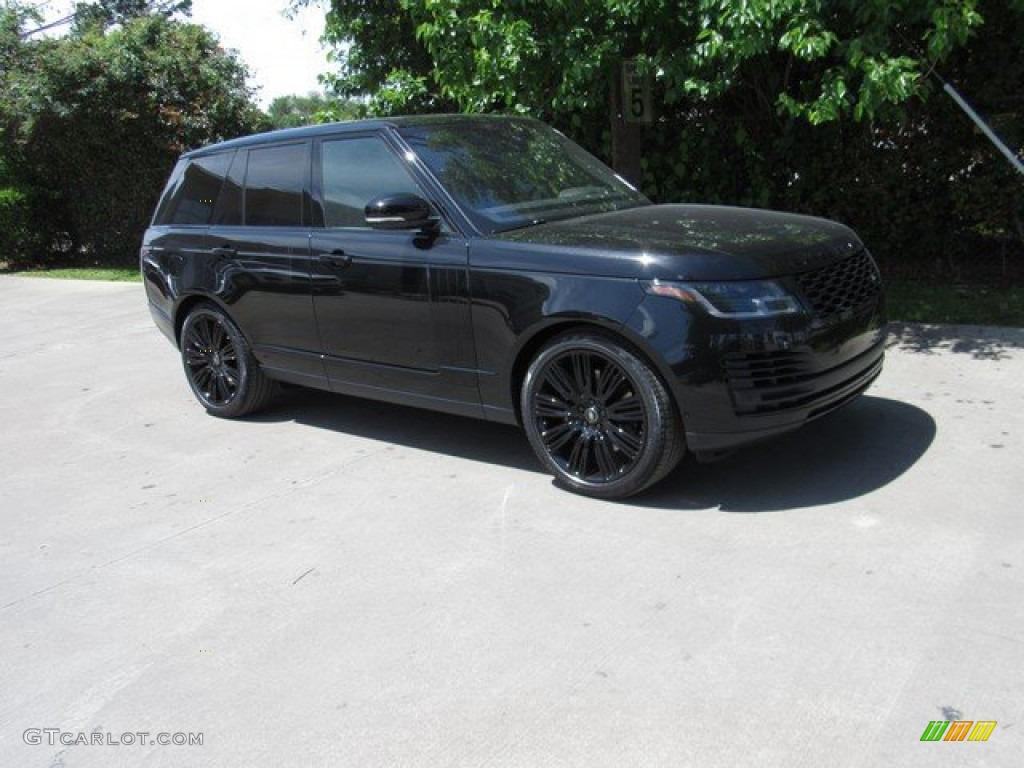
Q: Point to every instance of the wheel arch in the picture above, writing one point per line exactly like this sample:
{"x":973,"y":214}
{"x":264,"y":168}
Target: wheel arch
{"x":187,"y":303}
{"x":558,"y":326}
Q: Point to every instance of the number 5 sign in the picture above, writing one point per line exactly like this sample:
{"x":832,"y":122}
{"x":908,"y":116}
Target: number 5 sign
{"x":636,"y":94}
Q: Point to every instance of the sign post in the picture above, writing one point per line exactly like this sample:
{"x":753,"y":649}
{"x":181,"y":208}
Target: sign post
{"x":636,"y":94}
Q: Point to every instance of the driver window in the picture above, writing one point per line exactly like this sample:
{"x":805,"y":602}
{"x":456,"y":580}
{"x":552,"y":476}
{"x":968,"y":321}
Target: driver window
{"x":355,"y":171}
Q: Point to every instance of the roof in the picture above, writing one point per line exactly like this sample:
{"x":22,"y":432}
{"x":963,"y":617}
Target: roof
{"x":351,"y":126}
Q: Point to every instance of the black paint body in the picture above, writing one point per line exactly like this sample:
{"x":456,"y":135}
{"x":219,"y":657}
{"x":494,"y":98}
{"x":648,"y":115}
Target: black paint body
{"x":451,"y":321}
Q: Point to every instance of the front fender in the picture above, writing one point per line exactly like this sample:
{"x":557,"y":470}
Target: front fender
{"x":514,"y":313}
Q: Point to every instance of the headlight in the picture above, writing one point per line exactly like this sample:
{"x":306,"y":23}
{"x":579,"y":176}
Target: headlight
{"x":739,"y":299}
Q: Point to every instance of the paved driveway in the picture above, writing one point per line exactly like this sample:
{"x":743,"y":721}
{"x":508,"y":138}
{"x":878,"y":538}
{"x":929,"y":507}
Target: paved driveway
{"x":343,"y":583}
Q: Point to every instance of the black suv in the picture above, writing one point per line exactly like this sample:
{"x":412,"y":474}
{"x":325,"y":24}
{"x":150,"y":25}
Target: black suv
{"x":489,"y":267}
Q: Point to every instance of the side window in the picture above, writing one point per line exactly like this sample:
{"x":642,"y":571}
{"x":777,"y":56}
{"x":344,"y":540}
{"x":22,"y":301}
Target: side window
{"x":192,"y":194}
{"x":274,"y":184}
{"x":171,"y":192}
{"x":355,"y":171}
{"x":228,"y":212}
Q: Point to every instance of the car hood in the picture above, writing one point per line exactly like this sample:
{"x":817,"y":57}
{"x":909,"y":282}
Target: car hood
{"x":696,"y":242}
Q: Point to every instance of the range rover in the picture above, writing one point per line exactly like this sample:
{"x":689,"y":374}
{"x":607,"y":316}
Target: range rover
{"x":489,"y":267}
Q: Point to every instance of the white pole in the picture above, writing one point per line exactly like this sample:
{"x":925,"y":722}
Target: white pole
{"x":984,"y":127}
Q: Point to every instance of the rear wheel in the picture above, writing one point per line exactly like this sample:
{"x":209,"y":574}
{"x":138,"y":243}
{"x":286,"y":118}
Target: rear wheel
{"x":598,"y":417}
{"x":219,"y":366}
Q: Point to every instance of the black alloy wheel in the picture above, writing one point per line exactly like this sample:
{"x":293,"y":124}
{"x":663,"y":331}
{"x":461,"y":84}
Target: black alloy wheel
{"x":219,"y":365}
{"x":598,"y":417}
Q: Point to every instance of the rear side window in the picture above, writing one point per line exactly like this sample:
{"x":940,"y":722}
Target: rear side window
{"x":192,"y":192}
{"x":274,"y":184}
{"x":229,"y":206}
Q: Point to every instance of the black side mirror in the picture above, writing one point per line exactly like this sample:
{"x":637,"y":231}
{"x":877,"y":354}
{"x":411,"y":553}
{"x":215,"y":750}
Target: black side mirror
{"x":402,"y":211}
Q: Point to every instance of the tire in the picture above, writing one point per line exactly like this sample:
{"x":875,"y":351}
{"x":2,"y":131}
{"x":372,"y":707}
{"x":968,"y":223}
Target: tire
{"x":219,"y":365}
{"x":598,"y":417}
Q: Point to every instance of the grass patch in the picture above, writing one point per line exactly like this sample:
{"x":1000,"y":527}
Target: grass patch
{"x":116,"y":274}
{"x":963,"y":305}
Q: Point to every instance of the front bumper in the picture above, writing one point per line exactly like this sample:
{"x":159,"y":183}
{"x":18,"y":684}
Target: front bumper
{"x":771,"y":401}
{"x":738,"y":382}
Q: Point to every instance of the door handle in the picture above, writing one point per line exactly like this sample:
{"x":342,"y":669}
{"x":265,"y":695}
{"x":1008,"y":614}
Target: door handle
{"x":224,"y":252}
{"x":336,"y":258}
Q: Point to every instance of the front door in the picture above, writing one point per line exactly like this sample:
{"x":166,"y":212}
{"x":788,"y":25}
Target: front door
{"x":392,"y":309}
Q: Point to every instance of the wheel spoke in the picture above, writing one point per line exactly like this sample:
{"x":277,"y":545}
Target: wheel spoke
{"x":579,"y":456}
{"x":610,"y":379}
{"x":605,"y":459}
{"x":225,"y":387}
{"x":195,"y":339}
{"x":626,"y":442}
{"x":560,"y":382}
{"x":550,"y":407}
{"x":582,"y":373}
{"x":203,"y":331}
{"x":557,"y":437}
{"x":194,"y":357}
{"x":630,"y":408}
{"x":216,"y":388}
{"x":202,"y":377}
{"x":217,"y":337}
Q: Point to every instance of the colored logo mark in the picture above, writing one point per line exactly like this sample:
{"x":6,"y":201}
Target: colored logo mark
{"x":958,"y":730}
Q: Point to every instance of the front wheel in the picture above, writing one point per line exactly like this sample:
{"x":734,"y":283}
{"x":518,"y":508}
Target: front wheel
{"x":598,"y":417}
{"x":220,"y":368}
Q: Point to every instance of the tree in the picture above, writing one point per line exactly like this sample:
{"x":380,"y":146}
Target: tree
{"x":93,"y":123}
{"x":293,"y":110}
{"x":822,"y":61}
{"x":827,"y":107}
{"x":380,"y":56}
{"x":19,"y":200}
{"x":107,"y":13}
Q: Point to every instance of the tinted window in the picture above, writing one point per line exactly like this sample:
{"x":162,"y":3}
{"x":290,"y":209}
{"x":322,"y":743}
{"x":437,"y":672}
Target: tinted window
{"x":514,"y":173}
{"x":274,"y":184}
{"x":229,"y":205}
{"x":193,"y":190}
{"x":355,"y":171}
{"x":172,"y":189}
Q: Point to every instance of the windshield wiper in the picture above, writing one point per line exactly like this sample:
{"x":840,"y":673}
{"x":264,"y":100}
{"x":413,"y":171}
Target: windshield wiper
{"x":525,"y":225}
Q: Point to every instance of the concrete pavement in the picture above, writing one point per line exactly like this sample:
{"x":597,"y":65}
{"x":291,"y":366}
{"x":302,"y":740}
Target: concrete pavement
{"x":343,"y":583}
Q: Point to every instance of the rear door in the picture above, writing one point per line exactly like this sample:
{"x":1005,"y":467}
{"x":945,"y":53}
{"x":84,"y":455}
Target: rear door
{"x":258,"y":245}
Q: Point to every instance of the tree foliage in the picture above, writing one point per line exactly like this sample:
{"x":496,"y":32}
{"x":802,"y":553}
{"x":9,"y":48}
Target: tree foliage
{"x":826,"y":107}
{"x":106,"y":13}
{"x":379,"y":56}
{"x":819,"y":60}
{"x":93,"y":122}
{"x":294,"y":110}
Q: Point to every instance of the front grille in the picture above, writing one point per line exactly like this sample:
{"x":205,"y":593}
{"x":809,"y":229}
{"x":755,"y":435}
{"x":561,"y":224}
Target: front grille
{"x":768,"y":382}
{"x":837,"y":289}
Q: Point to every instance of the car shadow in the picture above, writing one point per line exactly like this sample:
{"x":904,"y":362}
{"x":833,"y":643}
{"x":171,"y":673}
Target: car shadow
{"x":458,"y":436}
{"x":847,"y":454}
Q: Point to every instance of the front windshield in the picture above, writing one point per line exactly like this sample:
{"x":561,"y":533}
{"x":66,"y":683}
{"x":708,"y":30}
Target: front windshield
{"x":510,"y":174}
